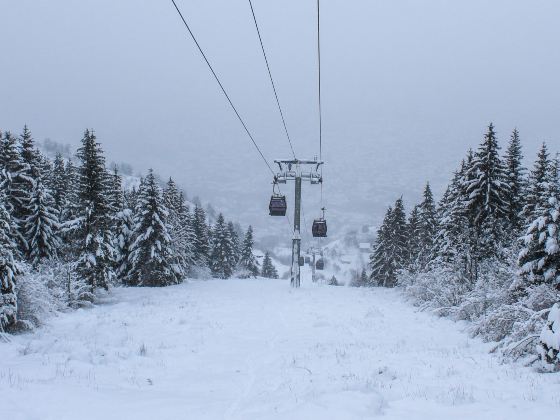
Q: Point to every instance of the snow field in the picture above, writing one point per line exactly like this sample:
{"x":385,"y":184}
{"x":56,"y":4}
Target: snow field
{"x":256,"y":349}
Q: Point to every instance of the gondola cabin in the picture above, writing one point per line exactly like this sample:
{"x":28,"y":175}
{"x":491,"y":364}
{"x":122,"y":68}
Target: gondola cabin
{"x":319,"y":228}
{"x":320,"y":264}
{"x":277,"y":206}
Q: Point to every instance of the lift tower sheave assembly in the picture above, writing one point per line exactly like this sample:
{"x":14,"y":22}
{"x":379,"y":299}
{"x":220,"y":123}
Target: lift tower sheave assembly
{"x":298,"y":171}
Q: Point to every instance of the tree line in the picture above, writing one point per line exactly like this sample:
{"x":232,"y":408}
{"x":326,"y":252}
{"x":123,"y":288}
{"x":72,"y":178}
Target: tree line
{"x":73,"y":225}
{"x":487,"y":252}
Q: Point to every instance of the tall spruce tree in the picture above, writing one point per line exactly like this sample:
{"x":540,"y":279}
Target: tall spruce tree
{"x":380,"y":263}
{"x":413,"y":238}
{"x":30,"y":156}
{"x":123,"y":242}
{"x":538,"y":188}
{"x":515,"y":178}
{"x":248,"y":264}
{"x":17,"y":187}
{"x":59,"y":184}
{"x":268,"y":269}
{"x":222,"y":260}
{"x":488,"y":191}
{"x":96,"y":260}
{"x":539,"y":259}
{"x":187,"y":236}
{"x":41,"y":225}
{"x":71,"y":210}
{"x":390,"y":251}
{"x":427,"y":228}
{"x":202,"y":238}
{"x":180,"y":223}
{"x":235,"y":245}
{"x":9,"y":269}
{"x":116,"y":192}
{"x":152,"y":262}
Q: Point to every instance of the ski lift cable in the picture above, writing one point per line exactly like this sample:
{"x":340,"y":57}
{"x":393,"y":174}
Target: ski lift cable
{"x":222,"y":87}
{"x":319,"y":90}
{"x":319,"y":74}
{"x":271,"y":79}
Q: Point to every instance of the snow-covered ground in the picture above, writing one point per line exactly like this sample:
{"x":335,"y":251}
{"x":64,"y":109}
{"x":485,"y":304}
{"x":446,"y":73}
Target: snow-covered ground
{"x":256,"y":349}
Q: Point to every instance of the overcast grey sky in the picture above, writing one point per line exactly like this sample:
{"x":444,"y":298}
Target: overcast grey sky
{"x":408,"y":86}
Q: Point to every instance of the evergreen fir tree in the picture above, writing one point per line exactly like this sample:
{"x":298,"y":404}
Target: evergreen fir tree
{"x":202,"y":241}
{"x":8,"y":266}
{"x":538,"y":188}
{"x":427,"y":228}
{"x":130,"y":197}
{"x":390,"y":251}
{"x":380,"y":260}
{"x":60,"y":184}
{"x":96,"y":259}
{"x":72,"y":178}
{"x":17,"y":187}
{"x":248,"y":265}
{"x":539,"y":259}
{"x":487,"y":196}
{"x":363,"y":278}
{"x":222,"y":260}
{"x":188,"y":237}
{"x":180,"y":226}
{"x":116,"y":192}
{"x":515,"y":178}
{"x":41,"y":226}
{"x":414,"y":238}
{"x":235,"y":245}
{"x":268,"y":269}
{"x":123,"y":243}
{"x":29,"y":155}
{"x":151,"y":253}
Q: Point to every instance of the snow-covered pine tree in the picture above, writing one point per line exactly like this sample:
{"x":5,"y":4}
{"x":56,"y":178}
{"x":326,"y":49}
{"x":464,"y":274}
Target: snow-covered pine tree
{"x":363,"y":277}
{"x":248,"y":265}
{"x":413,"y":238}
{"x":8,"y":266}
{"x":235,"y":245}
{"x":96,"y":260}
{"x":554,"y":177}
{"x":180,"y":228}
{"x":59,"y":184}
{"x":538,"y":188}
{"x":222,"y":260}
{"x":202,"y":242}
{"x":379,"y":260}
{"x":130,"y":197}
{"x":116,"y":192}
{"x":41,"y":225}
{"x":30,"y":157}
{"x":539,"y":259}
{"x":487,"y":196}
{"x":427,"y":228}
{"x":17,"y":188}
{"x":390,"y":251}
{"x":151,"y":254}
{"x":71,"y":210}
{"x":549,"y":340}
{"x":268,"y":269}
{"x":123,"y":242}
{"x":515,"y":178}
{"x":187,"y":235}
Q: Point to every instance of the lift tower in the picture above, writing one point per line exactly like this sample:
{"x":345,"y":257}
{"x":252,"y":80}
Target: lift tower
{"x":298,"y":171}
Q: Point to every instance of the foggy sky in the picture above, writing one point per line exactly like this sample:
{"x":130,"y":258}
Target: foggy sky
{"x":408,"y":87}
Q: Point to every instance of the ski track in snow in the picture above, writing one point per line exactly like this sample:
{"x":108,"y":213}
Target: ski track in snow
{"x":257,"y":349}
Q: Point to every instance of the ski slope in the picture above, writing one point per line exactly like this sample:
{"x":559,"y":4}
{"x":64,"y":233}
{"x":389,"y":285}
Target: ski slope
{"x":256,"y":349}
